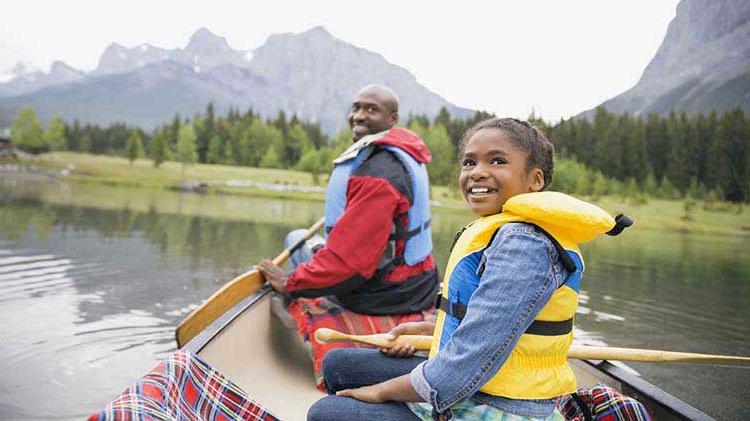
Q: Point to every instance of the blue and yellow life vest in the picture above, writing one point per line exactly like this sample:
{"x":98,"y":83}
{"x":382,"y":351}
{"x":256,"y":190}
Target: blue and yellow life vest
{"x":418,"y":235}
{"x":537,"y":367}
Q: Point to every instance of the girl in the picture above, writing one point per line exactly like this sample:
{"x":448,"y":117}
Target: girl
{"x":506,"y":305}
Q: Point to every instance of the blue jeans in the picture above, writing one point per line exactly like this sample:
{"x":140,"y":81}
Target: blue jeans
{"x":303,"y":254}
{"x":348,"y":368}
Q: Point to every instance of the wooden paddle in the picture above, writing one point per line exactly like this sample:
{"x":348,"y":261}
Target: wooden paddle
{"x":578,"y":352}
{"x":232,"y":293}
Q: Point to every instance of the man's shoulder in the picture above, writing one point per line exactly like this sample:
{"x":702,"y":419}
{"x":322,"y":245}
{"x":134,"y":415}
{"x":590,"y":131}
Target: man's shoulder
{"x":384,"y":164}
{"x":381,"y":157}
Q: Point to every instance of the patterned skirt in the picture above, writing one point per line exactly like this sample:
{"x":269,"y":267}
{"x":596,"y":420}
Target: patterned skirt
{"x":312,"y":314}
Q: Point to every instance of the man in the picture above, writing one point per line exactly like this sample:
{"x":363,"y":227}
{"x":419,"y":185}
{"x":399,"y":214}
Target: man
{"x":376,"y":268}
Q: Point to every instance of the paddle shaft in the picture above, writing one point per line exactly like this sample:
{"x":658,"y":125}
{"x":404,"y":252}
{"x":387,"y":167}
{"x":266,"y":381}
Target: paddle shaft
{"x":578,"y":352}
{"x":232,"y":293}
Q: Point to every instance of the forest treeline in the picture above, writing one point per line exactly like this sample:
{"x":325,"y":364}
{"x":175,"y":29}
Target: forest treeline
{"x":677,"y":156}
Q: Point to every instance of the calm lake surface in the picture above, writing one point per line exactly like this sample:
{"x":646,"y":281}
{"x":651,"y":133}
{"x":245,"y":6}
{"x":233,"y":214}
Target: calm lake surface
{"x":95,"y":279}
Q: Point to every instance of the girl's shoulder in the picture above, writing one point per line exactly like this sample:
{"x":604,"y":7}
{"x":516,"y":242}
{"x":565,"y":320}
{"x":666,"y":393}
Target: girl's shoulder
{"x":535,"y":243}
{"x":522,"y":230}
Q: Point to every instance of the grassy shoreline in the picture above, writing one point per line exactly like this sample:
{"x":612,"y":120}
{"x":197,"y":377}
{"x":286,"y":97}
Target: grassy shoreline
{"x":656,"y":214}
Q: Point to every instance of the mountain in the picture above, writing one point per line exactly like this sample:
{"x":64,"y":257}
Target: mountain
{"x":204,"y":51}
{"x":311,"y":74}
{"x":23,"y":79}
{"x":702,"y":64}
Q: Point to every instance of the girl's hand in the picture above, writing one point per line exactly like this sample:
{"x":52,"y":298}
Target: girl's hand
{"x":367,"y":394}
{"x":275,"y":275}
{"x":408,"y":328}
{"x":398,"y":389}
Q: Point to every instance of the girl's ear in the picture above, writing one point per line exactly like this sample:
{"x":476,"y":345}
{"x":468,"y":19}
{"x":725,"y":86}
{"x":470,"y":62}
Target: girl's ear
{"x":537,"y":180}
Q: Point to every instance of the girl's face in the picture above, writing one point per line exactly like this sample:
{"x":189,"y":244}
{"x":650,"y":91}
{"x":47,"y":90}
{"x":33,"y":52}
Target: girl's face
{"x":493,"y":170}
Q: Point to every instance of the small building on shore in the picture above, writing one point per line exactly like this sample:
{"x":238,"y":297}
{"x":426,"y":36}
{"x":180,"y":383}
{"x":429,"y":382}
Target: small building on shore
{"x":6,"y":145}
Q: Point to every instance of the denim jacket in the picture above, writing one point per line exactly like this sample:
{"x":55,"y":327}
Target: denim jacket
{"x":522,"y":270}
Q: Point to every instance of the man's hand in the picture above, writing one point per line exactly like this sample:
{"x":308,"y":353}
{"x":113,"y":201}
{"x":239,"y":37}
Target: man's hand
{"x":368,"y":393}
{"x":275,"y":275}
{"x":408,"y":328}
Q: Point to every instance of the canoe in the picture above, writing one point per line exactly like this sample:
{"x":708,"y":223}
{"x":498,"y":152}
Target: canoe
{"x":269,"y":361}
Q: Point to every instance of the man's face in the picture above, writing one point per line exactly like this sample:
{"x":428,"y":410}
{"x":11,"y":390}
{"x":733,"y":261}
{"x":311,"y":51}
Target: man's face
{"x":371,"y":112}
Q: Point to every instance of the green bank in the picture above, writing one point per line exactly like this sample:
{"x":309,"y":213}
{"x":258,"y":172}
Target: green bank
{"x":698,"y":216}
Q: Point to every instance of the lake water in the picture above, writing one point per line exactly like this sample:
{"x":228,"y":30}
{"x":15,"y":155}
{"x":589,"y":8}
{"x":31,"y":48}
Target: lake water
{"x":94,"y":280}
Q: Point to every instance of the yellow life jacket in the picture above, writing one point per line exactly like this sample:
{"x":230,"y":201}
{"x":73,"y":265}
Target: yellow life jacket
{"x":537,"y":367}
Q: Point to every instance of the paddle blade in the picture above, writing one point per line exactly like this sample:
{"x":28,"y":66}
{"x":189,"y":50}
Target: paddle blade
{"x":216,"y":305}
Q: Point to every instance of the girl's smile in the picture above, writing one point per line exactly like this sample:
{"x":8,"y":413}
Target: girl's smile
{"x":493,"y":169}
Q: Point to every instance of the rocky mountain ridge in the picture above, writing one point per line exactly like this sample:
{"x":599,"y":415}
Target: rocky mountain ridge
{"x":702,"y":64}
{"x":311,"y":74}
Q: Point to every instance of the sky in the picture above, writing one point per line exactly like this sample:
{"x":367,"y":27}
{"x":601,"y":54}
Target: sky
{"x":557,"y":58}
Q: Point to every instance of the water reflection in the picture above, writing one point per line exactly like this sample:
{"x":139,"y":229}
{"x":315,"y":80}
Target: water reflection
{"x":95,"y":279}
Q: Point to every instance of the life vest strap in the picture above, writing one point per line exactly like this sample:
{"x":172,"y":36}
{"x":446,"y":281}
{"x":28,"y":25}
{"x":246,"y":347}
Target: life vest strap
{"x":403,"y":234}
{"x":388,"y":267}
{"x":567,"y":261}
{"x":538,"y":327}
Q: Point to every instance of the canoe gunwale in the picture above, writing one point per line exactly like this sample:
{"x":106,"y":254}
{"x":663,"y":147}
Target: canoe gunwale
{"x":647,"y":393}
{"x":202,"y":339}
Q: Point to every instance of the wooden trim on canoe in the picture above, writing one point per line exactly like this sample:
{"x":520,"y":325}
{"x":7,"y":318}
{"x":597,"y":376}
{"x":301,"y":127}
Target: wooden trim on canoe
{"x":202,"y":339}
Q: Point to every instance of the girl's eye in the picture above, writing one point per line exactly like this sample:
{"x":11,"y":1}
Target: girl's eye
{"x":467,"y":163}
{"x":497,"y":161}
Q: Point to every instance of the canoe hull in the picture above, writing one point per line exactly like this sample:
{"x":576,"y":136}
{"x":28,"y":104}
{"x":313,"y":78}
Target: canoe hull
{"x":270,"y":362}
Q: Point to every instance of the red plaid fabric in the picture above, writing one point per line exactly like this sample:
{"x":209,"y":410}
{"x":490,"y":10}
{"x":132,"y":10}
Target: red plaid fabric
{"x":312,"y":314}
{"x":601,"y":403}
{"x":183,"y":387}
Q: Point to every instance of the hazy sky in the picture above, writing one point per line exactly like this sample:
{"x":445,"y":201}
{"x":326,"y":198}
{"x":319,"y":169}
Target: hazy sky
{"x":557,"y":57}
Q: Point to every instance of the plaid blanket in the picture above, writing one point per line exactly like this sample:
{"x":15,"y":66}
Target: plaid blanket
{"x":312,"y":314}
{"x":183,"y":387}
{"x":601,"y":403}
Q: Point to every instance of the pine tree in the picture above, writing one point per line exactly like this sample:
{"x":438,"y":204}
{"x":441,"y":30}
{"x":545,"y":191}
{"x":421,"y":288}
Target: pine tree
{"x":282,"y":124}
{"x":730,"y":167}
{"x":310,"y":162}
{"x":261,"y":137}
{"x":442,"y":168}
{"x":667,"y":190}
{"x":73,"y":135}
{"x":695,"y":191}
{"x":186,"y":146}
{"x":215,"y":154}
{"x":204,"y":131}
{"x":134,"y":147}
{"x":54,"y":136}
{"x":271,"y":158}
{"x":657,"y":144}
{"x":583,"y":183}
{"x":159,"y":148}
{"x":443,"y":117}
{"x":650,"y":185}
{"x":174,"y":131}
{"x":599,"y":186}
{"x":295,"y":140}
